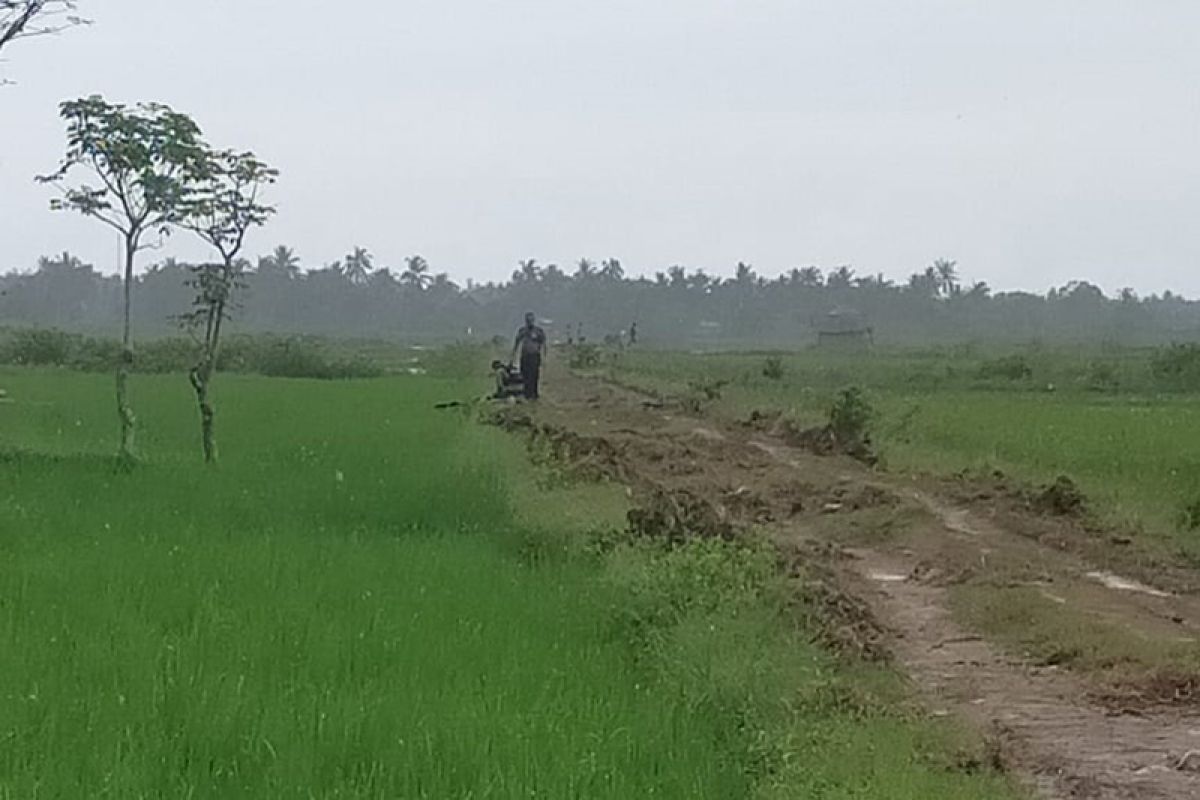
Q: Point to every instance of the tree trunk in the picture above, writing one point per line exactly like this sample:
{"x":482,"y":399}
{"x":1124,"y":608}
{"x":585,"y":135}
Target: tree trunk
{"x":201,"y":375}
{"x":124,"y":412}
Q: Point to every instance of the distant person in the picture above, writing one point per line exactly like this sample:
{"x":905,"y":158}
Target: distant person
{"x":509,"y":381}
{"x":530,"y":344}
{"x":633,"y":334}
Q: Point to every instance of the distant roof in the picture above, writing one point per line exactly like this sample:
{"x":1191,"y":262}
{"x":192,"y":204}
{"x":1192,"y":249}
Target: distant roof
{"x":843,"y":320}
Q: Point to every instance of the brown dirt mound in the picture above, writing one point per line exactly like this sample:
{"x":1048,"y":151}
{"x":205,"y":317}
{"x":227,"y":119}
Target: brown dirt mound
{"x":677,"y":515}
{"x":763,"y":421}
{"x":844,"y":623}
{"x":1062,"y":497}
{"x":1163,"y":688}
{"x":746,"y":504}
{"x":587,"y":457}
{"x":824,"y":441}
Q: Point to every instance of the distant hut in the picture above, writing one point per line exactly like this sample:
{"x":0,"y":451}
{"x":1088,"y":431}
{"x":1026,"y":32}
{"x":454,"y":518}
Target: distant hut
{"x":845,"y":329}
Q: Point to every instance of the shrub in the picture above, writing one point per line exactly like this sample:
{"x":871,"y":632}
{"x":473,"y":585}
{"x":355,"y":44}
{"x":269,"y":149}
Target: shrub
{"x":700,"y":393}
{"x":851,"y":416}
{"x":773,"y":368}
{"x":585,"y":356}
{"x":96,"y":355}
{"x":175,"y":354}
{"x":272,"y":356}
{"x":1177,"y":366}
{"x":1189,"y":518}
{"x":1102,"y":377}
{"x":38,"y":347}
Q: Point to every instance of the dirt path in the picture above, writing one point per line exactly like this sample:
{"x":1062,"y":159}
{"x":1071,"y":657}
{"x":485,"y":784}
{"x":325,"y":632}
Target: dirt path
{"x":899,"y":550}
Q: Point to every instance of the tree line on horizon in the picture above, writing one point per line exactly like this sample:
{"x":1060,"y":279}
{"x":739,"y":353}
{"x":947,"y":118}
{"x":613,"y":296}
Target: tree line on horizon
{"x":355,"y":297}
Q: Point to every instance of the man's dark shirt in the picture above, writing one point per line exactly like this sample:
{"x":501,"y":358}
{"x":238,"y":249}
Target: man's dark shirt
{"x":531,"y":340}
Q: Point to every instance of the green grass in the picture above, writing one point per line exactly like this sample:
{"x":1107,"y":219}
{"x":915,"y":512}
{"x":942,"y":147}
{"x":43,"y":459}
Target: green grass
{"x":1135,"y":458}
{"x":1133,"y":451}
{"x":1060,"y":629}
{"x":367,"y":599}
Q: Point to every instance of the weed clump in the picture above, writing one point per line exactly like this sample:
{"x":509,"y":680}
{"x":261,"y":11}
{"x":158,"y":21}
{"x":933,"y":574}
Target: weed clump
{"x":585,"y":356}
{"x":846,"y":433}
{"x":1063,"y":497}
{"x":677,"y":516}
{"x":773,"y":368}
{"x":1189,"y":516}
{"x":850,"y":416}
{"x":700,"y":393}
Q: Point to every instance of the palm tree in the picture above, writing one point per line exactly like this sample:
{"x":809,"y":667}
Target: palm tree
{"x":553,"y":276}
{"x":840,"y":278}
{"x":358,"y":266}
{"x":876,"y":281}
{"x":947,"y":276}
{"x":282,"y":261}
{"x":585,"y":270}
{"x":925,"y":284}
{"x":744,"y":275}
{"x":612,"y":270}
{"x":810,"y":277}
{"x":702,"y":280}
{"x":979,"y":290}
{"x":416,"y":273}
{"x":528,"y":271}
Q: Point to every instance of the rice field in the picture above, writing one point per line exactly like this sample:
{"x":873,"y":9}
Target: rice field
{"x":369,"y":599}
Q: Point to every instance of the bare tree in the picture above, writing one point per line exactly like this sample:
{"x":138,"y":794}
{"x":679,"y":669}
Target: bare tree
{"x":220,"y":208}
{"x":144,"y":159}
{"x":22,"y":19}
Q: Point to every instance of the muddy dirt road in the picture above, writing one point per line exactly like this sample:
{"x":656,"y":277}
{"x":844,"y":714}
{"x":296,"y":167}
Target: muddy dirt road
{"x":895,"y":549}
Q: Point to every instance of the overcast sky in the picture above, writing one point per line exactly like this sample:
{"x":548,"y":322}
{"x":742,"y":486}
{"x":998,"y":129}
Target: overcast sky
{"x":1034,"y":141}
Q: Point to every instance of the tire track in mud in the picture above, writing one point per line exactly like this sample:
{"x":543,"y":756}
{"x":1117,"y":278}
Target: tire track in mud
{"x":690,"y":476}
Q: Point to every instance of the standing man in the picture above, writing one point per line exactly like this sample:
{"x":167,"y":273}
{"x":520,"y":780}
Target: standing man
{"x":531,"y":343}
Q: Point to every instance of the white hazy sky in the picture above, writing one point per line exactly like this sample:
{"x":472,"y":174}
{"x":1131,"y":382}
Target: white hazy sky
{"x":1035,"y":141}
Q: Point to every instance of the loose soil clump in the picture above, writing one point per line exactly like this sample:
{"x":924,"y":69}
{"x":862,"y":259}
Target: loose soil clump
{"x":677,"y":515}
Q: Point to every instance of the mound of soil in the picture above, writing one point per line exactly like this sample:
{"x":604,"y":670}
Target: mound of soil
{"x":587,"y":457}
{"x":746,"y":504}
{"x":678,"y":515}
{"x":843,"y":623}
{"x":825,"y":441}
{"x":1062,"y":497}
{"x":763,"y":421}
